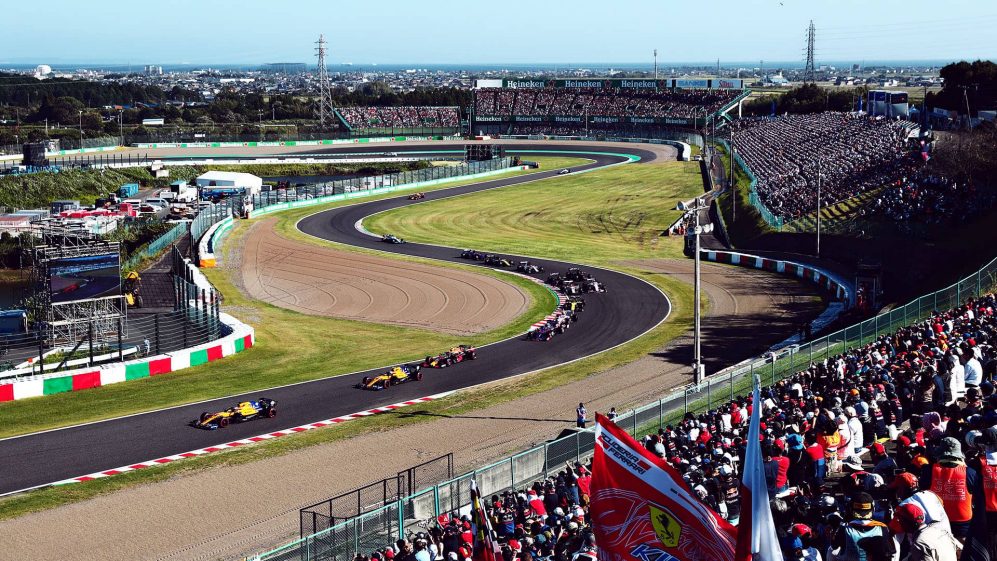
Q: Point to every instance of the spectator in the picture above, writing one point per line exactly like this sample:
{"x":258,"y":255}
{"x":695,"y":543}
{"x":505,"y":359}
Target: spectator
{"x":928,"y":541}
{"x":581,"y":416}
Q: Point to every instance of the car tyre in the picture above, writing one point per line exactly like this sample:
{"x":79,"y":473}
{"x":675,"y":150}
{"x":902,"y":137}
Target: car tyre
{"x":223,"y":422}
{"x":271,"y":413}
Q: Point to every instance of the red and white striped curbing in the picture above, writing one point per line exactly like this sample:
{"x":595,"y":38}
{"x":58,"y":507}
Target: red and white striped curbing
{"x":251,"y":440}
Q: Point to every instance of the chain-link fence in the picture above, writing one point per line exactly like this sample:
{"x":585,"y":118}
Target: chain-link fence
{"x":380,"y":527}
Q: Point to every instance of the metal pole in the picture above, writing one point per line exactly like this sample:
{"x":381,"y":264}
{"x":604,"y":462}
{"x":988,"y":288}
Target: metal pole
{"x":121,"y":350}
{"x":818,"y":205}
{"x":90,"y":342}
{"x":733,"y":183}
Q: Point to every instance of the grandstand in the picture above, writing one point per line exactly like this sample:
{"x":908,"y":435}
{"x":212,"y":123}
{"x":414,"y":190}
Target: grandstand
{"x":519,"y":106}
{"x":852,"y":153}
{"x":400,"y":120}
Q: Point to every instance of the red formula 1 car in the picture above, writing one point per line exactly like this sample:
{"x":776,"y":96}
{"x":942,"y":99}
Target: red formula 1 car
{"x":455,"y":355}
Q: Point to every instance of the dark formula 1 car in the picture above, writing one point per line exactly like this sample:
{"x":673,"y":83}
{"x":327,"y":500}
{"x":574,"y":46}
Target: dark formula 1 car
{"x":471,"y":254}
{"x":529,"y":268}
{"x":554,"y":326}
{"x":455,"y":355}
{"x":554,"y":279}
{"x":397,"y":375}
{"x":416,"y":196}
{"x":244,"y":411}
{"x":389,"y":238}
{"x":497,"y":261}
{"x":576,"y":274}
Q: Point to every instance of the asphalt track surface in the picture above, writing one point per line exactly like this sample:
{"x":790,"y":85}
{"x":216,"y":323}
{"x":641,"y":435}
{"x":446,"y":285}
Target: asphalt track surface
{"x":629,"y":308}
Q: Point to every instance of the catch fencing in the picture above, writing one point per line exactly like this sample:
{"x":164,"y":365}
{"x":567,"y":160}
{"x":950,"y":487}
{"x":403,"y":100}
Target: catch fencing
{"x":358,"y":184}
{"x":418,"y":510}
{"x":330,"y":512}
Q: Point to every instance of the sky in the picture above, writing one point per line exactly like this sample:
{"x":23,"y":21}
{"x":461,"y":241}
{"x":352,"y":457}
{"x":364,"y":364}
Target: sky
{"x":416,"y":32}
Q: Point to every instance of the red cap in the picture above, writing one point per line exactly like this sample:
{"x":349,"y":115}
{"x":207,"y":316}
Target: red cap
{"x":878,"y":449}
{"x":904,"y":480}
{"x":908,"y":517}
{"x":389,"y":553}
{"x":800,"y":530}
{"x":514,"y":545}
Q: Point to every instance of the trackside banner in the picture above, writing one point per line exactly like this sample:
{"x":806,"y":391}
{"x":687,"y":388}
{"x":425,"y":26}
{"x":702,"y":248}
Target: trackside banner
{"x":642,"y":511}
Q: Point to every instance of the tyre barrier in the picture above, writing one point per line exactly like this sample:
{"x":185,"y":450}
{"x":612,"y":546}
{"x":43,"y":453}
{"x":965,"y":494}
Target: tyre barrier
{"x":837,"y":288}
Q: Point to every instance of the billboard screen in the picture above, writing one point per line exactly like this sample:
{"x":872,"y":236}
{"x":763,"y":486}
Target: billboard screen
{"x":79,"y":278}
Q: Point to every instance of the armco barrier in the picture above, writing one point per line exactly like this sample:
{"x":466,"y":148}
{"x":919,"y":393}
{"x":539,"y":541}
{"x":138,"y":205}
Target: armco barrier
{"x":242,"y":337}
{"x":838,"y":288}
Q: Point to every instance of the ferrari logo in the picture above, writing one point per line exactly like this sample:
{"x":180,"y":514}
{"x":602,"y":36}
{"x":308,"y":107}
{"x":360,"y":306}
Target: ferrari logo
{"x":666,"y":527}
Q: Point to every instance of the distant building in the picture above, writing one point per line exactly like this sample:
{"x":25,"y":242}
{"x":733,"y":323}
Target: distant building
{"x":43,"y":71}
{"x":154,"y":70}
{"x":285,"y":68}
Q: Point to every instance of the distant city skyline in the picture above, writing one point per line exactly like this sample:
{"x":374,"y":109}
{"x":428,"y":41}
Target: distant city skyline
{"x":513,"y":32}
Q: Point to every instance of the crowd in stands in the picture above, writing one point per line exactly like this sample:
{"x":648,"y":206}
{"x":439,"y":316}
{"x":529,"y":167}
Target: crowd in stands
{"x":359,"y":118}
{"x":615,"y":102}
{"x":887,"y":451}
{"x":854,"y":154}
{"x":924,"y":196}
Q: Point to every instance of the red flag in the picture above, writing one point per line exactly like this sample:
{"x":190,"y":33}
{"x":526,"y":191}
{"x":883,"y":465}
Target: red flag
{"x":484,"y":547}
{"x":643,"y":511}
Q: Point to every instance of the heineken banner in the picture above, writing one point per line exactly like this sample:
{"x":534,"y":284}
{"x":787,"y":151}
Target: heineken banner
{"x":592,"y":119}
{"x":617,"y":83}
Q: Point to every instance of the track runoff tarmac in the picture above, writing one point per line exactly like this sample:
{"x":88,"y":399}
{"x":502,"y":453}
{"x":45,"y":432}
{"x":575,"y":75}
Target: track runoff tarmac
{"x":630,"y":308}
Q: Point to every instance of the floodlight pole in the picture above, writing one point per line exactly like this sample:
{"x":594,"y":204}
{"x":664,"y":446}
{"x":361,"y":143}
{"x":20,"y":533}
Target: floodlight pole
{"x":698,"y":370}
{"x":818,"y":204}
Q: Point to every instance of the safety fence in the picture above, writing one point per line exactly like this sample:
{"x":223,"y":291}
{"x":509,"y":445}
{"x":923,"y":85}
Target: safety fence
{"x":326,"y":514}
{"x":415,"y":512}
{"x":772,"y":220}
{"x":360,"y":184}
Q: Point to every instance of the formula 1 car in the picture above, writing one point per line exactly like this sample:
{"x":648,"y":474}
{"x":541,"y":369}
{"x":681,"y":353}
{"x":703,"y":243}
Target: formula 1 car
{"x":497,"y":261}
{"x":570,"y":288}
{"x":554,"y":279}
{"x":397,"y":375}
{"x":574,"y":304}
{"x":529,"y":268}
{"x":244,"y":411}
{"x":416,"y":196}
{"x":554,"y":326}
{"x":576,"y":274}
{"x":592,"y":285}
{"x":564,"y":171}
{"x":471,"y":254}
{"x":389,"y":238}
{"x":460,"y":353}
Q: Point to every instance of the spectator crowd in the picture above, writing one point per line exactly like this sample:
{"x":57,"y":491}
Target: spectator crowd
{"x":610,"y":102}
{"x":884,"y":452}
{"x":359,"y":118}
{"x":924,"y":196}
{"x":853,"y":153}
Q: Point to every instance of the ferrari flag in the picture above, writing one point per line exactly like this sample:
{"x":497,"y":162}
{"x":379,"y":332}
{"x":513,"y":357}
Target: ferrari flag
{"x":642,"y":511}
{"x":484,"y":546}
{"x":757,"y":540}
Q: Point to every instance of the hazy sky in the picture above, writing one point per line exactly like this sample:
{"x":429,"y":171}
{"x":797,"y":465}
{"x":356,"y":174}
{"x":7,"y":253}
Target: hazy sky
{"x":498,"y":31}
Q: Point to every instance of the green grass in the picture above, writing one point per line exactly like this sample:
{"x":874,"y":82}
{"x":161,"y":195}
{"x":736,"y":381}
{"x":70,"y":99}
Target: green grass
{"x":291,"y":347}
{"x":596,"y":218}
{"x":670,"y":183}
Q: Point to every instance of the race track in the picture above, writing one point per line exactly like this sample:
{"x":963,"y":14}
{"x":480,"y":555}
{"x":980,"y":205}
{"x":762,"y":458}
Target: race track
{"x":630,"y":308}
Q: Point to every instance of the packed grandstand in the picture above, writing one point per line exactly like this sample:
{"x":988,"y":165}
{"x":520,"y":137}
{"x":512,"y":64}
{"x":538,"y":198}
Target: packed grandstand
{"x":362,"y":118}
